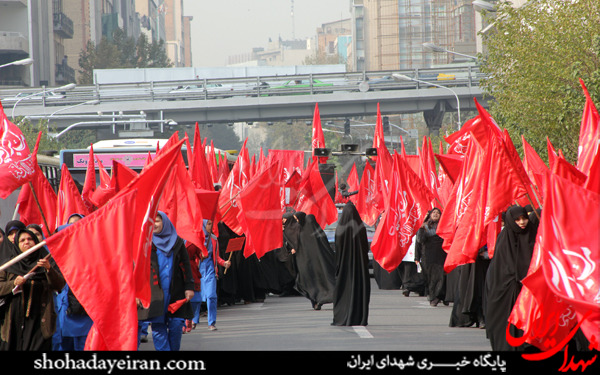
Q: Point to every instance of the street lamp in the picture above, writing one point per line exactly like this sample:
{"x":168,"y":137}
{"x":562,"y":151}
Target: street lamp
{"x":402,"y":77}
{"x":70,"y":86}
{"x":432,"y":47}
{"x":27,"y":61}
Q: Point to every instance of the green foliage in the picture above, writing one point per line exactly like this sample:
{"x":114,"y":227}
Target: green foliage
{"x":535,"y":57}
{"x":74,"y":139}
{"x":121,"y":52}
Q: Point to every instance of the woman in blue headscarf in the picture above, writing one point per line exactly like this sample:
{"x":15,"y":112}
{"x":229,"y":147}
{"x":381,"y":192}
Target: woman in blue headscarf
{"x":171,"y":280}
{"x":208,"y":270}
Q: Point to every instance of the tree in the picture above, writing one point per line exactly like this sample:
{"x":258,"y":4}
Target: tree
{"x":121,"y":52}
{"x":535,"y":56}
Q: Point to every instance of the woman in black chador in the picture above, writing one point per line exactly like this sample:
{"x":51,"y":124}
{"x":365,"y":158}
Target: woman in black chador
{"x":352,"y":281}
{"x":508,"y":267}
{"x":431,"y":256}
{"x":313,"y":258}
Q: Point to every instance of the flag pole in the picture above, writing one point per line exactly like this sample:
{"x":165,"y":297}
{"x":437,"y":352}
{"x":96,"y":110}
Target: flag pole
{"x":40,"y":208}
{"x":19,"y":257}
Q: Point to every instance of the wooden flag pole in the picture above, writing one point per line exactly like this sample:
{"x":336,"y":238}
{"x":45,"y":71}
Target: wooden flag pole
{"x":19,"y":257}
{"x":40,"y":208}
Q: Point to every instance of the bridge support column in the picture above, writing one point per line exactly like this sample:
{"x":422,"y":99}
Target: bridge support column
{"x":433,"y":117}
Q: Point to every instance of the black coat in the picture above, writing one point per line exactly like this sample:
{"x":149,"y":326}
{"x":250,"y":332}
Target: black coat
{"x":314,"y":259}
{"x":352,"y":291}
{"x":181,"y":281}
{"x":508,"y":267}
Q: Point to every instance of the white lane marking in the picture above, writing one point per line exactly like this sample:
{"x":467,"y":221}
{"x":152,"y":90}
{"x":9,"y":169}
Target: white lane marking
{"x":362,"y":332}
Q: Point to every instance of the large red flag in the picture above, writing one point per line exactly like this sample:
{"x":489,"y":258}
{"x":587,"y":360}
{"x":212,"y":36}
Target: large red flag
{"x":150,"y":184}
{"x":318,"y":139}
{"x":17,"y":164}
{"x":429,"y":173}
{"x":593,"y":180}
{"x":461,"y":223}
{"x":589,"y":133}
{"x":313,"y":197}
{"x":69,"y":200}
{"x":95,"y":257}
{"x":395,"y":231}
{"x":571,"y":252}
{"x":378,"y":135}
{"x":180,"y":203}
{"x":260,"y":212}
{"x":545,"y":319}
{"x":42,"y":194}
{"x":365,"y":200}
{"x":236,"y":180}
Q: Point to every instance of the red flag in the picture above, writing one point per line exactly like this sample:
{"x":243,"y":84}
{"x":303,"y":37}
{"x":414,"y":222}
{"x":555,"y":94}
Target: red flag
{"x":365,"y":204}
{"x":544,"y":318}
{"x":290,"y":161}
{"x":451,"y":164}
{"x":121,"y":175}
{"x":17,"y":164}
{"x":289,"y":193}
{"x":395,"y":231}
{"x":105,"y":190}
{"x":571,"y":253}
{"x":313,"y":197}
{"x":98,"y":247}
{"x":150,"y":184}
{"x":89,"y":185}
{"x":589,"y":133}
{"x":29,"y":212}
{"x":461,"y":223}
{"x":180,"y":203}
{"x":353,"y":183}
{"x":198,"y":165}
{"x":429,"y":174}
{"x":593,"y":180}
{"x":552,"y":154}
{"x":318,"y":139}
{"x":236,"y":180}
{"x":338,"y":195}
{"x":69,"y":200}
{"x":260,"y":212}
{"x":378,"y":135}
{"x":535,"y":166}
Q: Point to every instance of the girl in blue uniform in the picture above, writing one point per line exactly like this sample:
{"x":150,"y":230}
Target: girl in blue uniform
{"x":170,"y":280}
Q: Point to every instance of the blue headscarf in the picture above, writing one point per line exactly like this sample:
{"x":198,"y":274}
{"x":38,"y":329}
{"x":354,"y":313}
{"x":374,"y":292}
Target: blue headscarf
{"x":165,"y":240}
{"x":207,"y":236}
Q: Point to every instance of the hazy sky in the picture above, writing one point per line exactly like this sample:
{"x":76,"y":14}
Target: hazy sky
{"x":222,"y":28}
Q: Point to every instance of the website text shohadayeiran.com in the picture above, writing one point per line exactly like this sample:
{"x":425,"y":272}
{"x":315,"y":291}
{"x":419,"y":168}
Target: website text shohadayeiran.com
{"x":94,"y":363}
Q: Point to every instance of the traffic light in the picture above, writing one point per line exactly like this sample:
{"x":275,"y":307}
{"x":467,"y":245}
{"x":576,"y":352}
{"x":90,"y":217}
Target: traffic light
{"x":347,"y":127}
{"x":386,"y":125}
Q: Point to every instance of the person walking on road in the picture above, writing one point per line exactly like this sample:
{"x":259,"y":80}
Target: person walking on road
{"x":208,"y":270}
{"x":171,"y":280}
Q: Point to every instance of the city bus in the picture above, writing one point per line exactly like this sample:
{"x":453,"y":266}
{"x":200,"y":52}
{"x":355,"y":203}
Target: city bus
{"x":132,"y":153}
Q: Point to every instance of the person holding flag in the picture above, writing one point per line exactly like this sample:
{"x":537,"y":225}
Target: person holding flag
{"x":208,"y":270}
{"x":171,"y":283}
{"x":431,"y":256}
{"x":26,"y":290}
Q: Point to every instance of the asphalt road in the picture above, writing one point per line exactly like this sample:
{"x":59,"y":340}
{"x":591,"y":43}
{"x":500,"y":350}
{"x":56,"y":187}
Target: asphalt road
{"x":396,"y":323}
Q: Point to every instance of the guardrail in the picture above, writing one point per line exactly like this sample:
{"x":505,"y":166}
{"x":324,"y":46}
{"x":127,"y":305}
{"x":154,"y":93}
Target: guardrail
{"x":212,"y":89}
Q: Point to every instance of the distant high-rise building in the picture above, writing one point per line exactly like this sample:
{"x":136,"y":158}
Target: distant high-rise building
{"x":389,"y":34}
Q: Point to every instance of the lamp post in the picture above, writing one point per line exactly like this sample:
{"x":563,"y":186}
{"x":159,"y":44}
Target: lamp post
{"x":70,"y":86}
{"x":432,"y":47}
{"x":402,"y":77}
{"x":27,"y":61}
